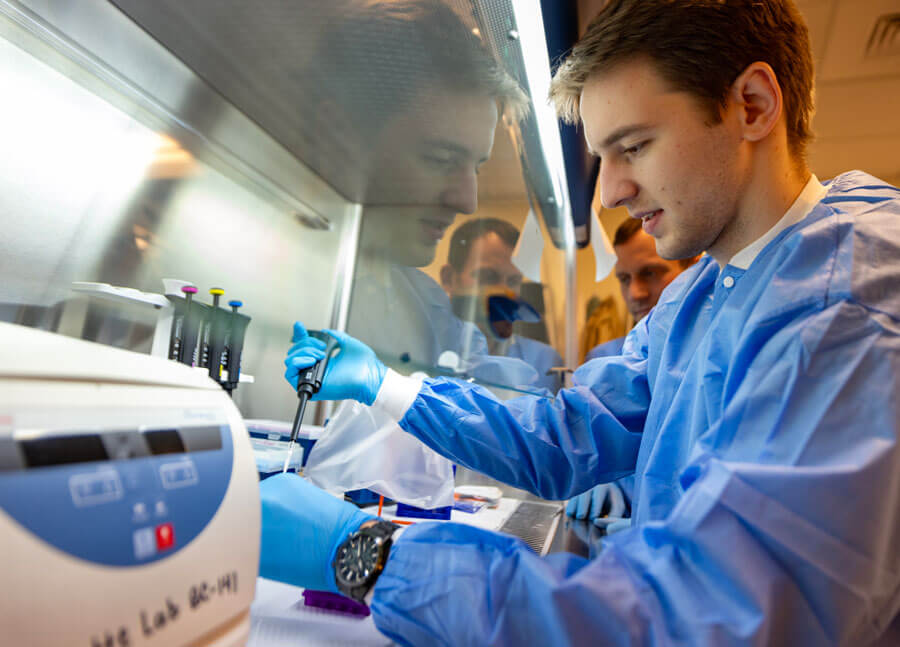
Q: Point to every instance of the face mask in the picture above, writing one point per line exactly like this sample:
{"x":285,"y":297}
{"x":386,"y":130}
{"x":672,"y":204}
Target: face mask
{"x":495,"y":312}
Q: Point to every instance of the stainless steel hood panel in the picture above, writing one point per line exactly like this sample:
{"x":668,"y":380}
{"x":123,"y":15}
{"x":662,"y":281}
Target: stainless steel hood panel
{"x":270,"y":60}
{"x":92,"y":42}
{"x":254,"y":55}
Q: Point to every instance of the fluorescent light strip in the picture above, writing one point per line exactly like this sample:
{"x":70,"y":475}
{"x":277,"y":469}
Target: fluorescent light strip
{"x":530,"y":24}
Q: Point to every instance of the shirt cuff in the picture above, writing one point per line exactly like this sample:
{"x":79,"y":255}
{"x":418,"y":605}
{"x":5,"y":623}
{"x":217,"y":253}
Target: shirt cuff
{"x":397,"y":393}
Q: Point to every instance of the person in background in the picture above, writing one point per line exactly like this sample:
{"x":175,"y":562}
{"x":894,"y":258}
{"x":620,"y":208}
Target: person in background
{"x":479,"y":267}
{"x":643,"y":275}
{"x":756,"y":404}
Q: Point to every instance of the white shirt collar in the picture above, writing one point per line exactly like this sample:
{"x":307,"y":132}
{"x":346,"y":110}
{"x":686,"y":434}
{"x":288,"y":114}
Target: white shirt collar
{"x":809,"y":197}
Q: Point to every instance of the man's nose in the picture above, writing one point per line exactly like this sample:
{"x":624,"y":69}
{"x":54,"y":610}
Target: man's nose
{"x":462,"y":194}
{"x":616,"y":186}
{"x":637,"y":291}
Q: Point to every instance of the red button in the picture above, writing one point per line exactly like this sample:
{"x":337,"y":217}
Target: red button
{"x":165,"y":536}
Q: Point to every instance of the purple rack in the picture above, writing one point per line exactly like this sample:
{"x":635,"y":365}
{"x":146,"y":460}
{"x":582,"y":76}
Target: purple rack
{"x":334,"y":602}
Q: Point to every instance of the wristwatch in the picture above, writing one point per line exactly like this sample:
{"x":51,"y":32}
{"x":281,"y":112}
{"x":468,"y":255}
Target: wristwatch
{"x":361,"y":558}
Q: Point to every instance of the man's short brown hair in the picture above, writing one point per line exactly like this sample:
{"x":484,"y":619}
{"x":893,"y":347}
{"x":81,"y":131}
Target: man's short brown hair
{"x":700,"y":47}
{"x":469,"y":232}
{"x":378,"y":55}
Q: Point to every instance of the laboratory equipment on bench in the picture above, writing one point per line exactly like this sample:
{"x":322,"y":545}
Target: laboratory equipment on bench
{"x":270,"y":440}
{"x":206,"y":336}
{"x":129,"y":500}
{"x":234,"y":346}
{"x":186,"y":324}
{"x":187,"y":331}
{"x":309,"y":381}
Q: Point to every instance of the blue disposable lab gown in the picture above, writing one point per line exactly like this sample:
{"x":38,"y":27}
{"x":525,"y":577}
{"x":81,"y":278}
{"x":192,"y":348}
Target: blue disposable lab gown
{"x":410,"y":317}
{"x":761,"y":422}
{"x":612,"y":347}
{"x":542,"y":357}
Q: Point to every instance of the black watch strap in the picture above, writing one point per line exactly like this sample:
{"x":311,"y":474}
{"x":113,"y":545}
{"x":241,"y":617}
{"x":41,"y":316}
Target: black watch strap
{"x":383,"y":530}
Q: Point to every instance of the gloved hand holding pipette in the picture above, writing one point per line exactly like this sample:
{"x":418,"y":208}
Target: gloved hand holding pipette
{"x":355,"y":373}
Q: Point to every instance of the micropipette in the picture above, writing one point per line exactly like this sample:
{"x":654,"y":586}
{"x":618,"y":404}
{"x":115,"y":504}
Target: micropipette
{"x":234,"y":346}
{"x":206,"y":336}
{"x":309,"y":381}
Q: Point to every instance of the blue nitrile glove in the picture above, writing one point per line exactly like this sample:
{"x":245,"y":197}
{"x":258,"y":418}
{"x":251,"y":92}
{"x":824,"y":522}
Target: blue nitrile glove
{"x":590,"y":504}
{"x":354,"y":373}
{"x":302,"y":527}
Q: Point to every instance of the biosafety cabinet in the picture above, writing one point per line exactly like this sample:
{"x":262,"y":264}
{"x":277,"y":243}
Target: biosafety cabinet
{"x":223,"y":144}
{"x":302,"y":158}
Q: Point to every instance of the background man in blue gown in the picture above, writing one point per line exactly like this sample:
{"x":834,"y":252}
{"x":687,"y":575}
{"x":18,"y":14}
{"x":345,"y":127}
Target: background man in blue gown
{"x":757,"y":404}
{"x":642,"y":275}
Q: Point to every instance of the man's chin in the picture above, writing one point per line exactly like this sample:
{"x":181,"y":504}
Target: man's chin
{"x":416,"y":255}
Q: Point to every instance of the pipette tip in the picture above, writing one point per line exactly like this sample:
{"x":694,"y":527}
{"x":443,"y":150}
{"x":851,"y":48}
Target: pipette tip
{"x":287,"y":459}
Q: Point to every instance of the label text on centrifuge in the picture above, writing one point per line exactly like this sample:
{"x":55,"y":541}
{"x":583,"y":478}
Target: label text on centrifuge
{"x":203,"y":592}
{"x":153,"y":620}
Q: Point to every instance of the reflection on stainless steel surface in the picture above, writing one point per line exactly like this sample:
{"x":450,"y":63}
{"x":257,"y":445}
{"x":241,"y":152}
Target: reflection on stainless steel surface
{"x":542,"y":524}
{"x":579,"y":537}
{"x":311,"y":158}
{"x":143,"y":79}
{"x":465,"y":476}
{"x":535,"y":524}
{"x":97,"y":188}
{"x":285,"y":67}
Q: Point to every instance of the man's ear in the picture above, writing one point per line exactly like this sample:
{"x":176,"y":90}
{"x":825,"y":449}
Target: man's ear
{"x":757,"y":95}
{"x":447,"y":277}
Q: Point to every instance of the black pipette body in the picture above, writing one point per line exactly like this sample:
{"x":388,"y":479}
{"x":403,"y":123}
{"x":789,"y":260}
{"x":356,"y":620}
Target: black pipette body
{"x":186,"y":345}
{"x":235,"y":345}
{"x":309,"y":381}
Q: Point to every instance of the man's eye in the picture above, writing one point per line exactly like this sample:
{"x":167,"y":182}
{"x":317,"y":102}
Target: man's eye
{"x":490,"y":277}
{"x":440,"y":162}
{"x":634,"y":150}
{"x":487,"y":277}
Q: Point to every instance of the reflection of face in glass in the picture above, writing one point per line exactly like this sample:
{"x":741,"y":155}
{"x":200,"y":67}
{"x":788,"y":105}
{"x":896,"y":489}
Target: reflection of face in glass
{"x":424,"y":170}
{"x":488,"y":271}
{"x":488,"y":267}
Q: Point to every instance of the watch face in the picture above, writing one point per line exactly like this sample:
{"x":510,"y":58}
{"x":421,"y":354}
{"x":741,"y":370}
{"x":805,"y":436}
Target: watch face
{"x":356,"y":559}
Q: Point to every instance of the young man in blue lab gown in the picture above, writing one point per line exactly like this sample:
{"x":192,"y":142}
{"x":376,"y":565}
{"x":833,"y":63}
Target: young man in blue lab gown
{"x":757,"y":405}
